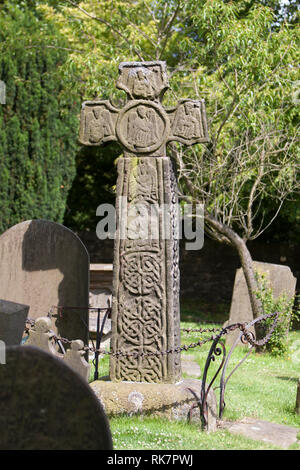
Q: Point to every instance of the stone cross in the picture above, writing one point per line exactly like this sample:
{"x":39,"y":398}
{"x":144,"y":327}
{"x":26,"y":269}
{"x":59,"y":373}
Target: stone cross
{"x":2,"y":92}
{"x":145,"y":307}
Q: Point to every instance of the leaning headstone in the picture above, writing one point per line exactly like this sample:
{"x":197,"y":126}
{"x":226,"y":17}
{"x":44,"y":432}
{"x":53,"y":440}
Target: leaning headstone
{"x":12,"y":322}
{"x":279,"y":278}
{"x":44,"y":264}
{"x":45,"y":405}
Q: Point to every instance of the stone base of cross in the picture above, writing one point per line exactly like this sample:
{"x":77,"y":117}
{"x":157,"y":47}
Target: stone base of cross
{"x":145,"y":310}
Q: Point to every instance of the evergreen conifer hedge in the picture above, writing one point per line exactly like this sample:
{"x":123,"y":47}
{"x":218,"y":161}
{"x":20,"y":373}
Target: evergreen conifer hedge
{"x":38,"y":123}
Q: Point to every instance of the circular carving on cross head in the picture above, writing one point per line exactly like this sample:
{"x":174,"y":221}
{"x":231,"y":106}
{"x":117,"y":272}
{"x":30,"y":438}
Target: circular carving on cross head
{"x":142,"y":126}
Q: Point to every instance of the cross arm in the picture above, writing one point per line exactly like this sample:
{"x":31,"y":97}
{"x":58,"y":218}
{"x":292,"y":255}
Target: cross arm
{"x":98,"y":122}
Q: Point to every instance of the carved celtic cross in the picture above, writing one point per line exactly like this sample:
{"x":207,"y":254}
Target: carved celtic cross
{"x":143,"y":126}
{"x":145,"y":310}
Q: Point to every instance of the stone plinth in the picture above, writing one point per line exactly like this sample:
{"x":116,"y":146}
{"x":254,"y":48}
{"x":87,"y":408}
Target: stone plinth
{"x":171,"y":401}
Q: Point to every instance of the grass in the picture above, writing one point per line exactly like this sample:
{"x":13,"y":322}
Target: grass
{"x":138,"y":433}
{"x":264,"y":387}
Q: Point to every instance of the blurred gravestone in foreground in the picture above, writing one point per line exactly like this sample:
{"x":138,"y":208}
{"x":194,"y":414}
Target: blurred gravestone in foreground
{"x":44,"y":405}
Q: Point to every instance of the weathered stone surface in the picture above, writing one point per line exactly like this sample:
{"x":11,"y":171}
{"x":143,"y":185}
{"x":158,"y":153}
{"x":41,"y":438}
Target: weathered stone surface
{"x":143,"y":126}
{"x":171,"y":401}
{"x":279,"y":277}
{"x":12,"y":322}
{"x":44,"y":264}
{"x":278,"y":435}
{"x":2,"y":92}
{"x":45,"y":405}
{"x":74,"y":358}
{"x":40,"y":335}
{"x":101,"y":279}
{"x":145,"y":308}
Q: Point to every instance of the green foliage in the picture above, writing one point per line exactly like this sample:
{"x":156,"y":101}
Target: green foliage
{"x":93,"y":185}
{"x":241,"y":56}
{"x":278,"y":343}
{"x":38,"y":123}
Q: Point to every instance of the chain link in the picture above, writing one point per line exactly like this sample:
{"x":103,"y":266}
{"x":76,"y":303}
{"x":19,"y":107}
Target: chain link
{"x":200,"y":330}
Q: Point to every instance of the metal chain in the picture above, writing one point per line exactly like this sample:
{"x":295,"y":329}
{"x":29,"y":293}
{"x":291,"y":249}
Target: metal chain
{"x":185,"y":330}
{"x":248,"y":335}
{"x":200,"y":330}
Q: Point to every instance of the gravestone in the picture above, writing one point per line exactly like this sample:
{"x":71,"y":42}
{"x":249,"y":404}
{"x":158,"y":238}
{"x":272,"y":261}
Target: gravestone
{"x":45,"y":405}
{"x":145,"y":308}
{"x":12,"y":322}
{"x":279,"y":278}
{"x":100,"y":285}
{"x":74,"y":358}
{"x":41,"y":336}
{"x":44,"y":264}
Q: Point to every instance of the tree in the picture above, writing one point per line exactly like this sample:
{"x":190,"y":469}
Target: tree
{"x":242,"y":57}
{"x":38,"y":122}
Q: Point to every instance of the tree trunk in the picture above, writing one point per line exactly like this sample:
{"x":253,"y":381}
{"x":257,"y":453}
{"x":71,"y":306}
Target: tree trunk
{"x":234,"y":240}
{"x":245,"y":257}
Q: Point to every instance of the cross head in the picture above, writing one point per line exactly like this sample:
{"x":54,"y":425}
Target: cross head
{"x":143,"y":126}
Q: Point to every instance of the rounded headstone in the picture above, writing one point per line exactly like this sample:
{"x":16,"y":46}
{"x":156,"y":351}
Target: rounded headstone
{"x":45,"y":405}
{"x":278,"y":277}
{"x":44,"y":264}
